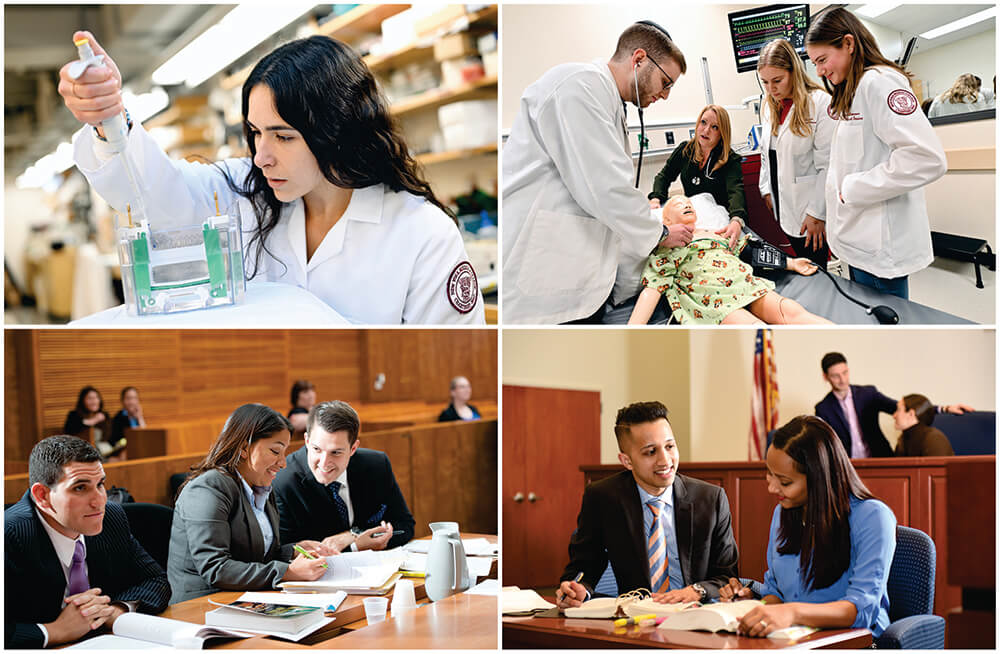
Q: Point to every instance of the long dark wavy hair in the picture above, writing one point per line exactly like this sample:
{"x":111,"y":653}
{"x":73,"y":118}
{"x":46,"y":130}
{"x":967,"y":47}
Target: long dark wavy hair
{"x":819,"y":530}
{"x":247,"y":424}
{"x":324,"y":90}
{"x":81,"y":408}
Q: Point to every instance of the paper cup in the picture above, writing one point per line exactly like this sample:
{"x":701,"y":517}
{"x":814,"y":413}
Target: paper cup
{"x":375,"y":608}
{"x":403,"y":599}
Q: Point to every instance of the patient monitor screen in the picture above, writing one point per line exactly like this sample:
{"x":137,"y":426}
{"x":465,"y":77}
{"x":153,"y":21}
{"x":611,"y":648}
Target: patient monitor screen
{"x":752,"y":29}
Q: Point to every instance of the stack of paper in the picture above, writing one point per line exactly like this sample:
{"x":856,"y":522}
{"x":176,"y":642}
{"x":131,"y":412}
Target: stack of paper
{"x":354,"y":572}
{"x":473,"y":547}
{"x":479,"y":566}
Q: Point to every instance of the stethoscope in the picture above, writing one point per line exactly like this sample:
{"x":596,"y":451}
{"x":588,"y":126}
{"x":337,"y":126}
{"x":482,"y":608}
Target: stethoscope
{"x":643,"y":142}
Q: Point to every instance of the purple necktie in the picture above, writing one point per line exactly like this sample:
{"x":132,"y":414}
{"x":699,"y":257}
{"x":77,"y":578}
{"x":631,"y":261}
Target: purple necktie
{"x":78,"y":581}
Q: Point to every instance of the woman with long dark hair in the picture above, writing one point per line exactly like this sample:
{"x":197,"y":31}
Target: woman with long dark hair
{"x":831,"y":542}
{"x":225,"y":531}
{"x":883,"y":152}
{"x":330,"y":198}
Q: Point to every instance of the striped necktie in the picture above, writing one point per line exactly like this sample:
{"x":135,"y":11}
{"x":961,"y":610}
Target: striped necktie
{"x":656,"y":545}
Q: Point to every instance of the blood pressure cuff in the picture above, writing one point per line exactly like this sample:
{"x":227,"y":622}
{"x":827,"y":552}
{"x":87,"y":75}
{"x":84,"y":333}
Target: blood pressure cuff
{"x":763,"y":256}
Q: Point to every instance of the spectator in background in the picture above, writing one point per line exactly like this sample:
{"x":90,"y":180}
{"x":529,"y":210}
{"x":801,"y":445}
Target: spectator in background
{"x":129,"y":416}
{"x":303,"y":399}
{"x":460,"y":409}
{"x":853,"y":411}
{"x":914,"y":415}
{"x":964,"y":96}
{"x":88,"y":413}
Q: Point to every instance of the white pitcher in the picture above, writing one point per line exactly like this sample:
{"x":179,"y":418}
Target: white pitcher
{"x":447,"y":570}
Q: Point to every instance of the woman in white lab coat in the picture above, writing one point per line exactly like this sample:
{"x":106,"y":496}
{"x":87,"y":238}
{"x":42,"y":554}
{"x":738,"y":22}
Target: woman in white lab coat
{"x":330,"y":198}
{"x":795,"y":149}
{"x":884,"y":151}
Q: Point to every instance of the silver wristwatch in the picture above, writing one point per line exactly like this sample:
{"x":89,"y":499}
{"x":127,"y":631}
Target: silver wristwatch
{"x":700,"y":590}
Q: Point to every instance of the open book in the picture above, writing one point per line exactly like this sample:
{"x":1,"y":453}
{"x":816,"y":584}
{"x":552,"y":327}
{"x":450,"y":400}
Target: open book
{"x":721,"y":616}
{"x":627,"y":605}
{"x":725,"y":616}
{"x":141,"y":631}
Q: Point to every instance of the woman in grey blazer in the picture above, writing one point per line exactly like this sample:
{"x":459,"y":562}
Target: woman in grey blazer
{"x":225,"y":531}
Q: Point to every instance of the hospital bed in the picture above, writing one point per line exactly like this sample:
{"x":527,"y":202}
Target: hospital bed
{"x":817,"y":294}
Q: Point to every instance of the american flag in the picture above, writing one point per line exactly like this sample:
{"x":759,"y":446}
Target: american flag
{"x":764,"y":401}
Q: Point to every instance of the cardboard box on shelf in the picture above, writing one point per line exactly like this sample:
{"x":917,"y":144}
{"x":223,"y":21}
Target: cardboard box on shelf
{"x":455,"y":45}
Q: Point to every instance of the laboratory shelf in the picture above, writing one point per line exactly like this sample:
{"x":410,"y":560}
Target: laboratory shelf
{"x":437,"y":97}
{"x":432,"y":158}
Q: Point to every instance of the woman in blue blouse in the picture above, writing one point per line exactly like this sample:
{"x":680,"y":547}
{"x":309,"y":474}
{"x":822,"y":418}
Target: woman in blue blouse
{"x":831,"y":542}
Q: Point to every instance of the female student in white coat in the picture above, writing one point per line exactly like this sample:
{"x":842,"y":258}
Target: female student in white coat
{"x":795,"y":135}
{"x":330,"y":198}
{"x":884,"y":151}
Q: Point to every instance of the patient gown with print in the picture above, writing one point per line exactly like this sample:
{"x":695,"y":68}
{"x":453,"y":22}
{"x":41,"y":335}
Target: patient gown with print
{"x":703,"y":282}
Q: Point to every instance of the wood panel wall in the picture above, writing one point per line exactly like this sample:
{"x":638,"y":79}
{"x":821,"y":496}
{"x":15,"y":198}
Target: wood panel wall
{"x":200,"y":376}
{"x":914,"y":488}
{"x":421,"y":366}
{"x":446,"y":471}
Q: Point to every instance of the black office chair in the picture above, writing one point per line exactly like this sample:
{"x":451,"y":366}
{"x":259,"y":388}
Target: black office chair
{"x":150,"y":524}
{"x":175,"y":483}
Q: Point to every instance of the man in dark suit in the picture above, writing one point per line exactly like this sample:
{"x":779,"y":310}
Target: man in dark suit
{"x":853,"y":411}
{"x":337,"y":493}
{"x":662,"y":531}
{"x":71,"y":563}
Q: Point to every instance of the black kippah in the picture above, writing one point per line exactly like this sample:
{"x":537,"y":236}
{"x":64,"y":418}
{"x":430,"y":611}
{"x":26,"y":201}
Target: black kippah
{"x":654,"y":25}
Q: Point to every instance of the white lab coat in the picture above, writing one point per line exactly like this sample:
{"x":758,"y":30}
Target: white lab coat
{"x":880,"y":160}
{"x":802,"y":163}
{"x":388,"y":260}
{"x":570,"y":210}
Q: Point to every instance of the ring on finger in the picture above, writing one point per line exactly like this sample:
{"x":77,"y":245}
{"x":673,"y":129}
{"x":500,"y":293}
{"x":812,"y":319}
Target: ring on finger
{"x":764,"y":623}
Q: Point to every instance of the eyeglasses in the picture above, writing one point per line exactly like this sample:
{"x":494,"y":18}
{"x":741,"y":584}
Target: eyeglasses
{"x":670,"y":80}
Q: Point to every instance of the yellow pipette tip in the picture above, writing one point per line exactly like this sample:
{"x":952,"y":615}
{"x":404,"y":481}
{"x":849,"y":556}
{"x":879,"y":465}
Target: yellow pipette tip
{"x":128,"y":208}
{"x":81,"y":41}
{"x":216,"y":194}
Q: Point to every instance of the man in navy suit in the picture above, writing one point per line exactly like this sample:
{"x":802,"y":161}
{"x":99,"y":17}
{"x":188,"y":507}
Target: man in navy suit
{"x":338,"y":493}
{"x":853,"y":411}
{"x":71,"y":563}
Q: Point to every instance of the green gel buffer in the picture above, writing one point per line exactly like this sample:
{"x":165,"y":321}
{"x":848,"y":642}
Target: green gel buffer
{"x":216,"y":261}
{"x":140,"y":270}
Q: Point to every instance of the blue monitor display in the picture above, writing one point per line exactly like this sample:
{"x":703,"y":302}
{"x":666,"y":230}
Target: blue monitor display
{"x":752,"y":29}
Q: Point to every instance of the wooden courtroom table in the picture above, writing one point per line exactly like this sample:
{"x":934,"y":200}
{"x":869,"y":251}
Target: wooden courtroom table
{"x":462,"y":621}
{"x":579,"y":633}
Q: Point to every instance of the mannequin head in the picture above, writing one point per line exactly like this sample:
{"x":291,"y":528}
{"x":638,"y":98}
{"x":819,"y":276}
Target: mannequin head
{"x":679,"y":210}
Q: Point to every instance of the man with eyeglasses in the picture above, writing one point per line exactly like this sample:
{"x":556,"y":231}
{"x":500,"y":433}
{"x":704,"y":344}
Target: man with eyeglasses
{"x":571,"y":212}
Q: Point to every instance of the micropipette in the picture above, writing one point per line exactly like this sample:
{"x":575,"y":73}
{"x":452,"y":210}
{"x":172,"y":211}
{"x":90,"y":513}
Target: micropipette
{"x":115,"y":129}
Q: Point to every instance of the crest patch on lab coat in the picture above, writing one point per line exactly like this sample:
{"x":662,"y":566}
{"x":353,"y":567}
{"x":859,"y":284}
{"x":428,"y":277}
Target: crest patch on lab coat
{"x":463,"y":287}
{"x":902,"y":102}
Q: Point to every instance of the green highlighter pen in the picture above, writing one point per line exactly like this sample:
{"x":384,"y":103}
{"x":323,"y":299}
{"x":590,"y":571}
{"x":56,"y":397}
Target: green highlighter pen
{"x":306,"y":554}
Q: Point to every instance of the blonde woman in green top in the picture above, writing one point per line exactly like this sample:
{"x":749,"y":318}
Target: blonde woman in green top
{"x":707,"y":164}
